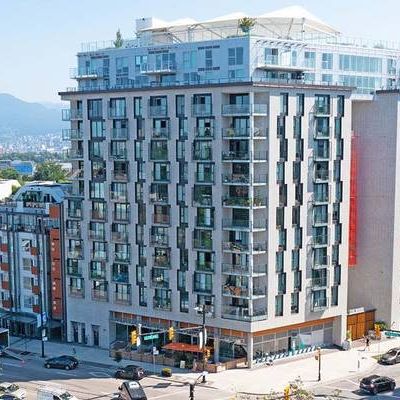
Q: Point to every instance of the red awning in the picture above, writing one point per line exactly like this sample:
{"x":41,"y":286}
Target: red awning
{"x":190,"y":348}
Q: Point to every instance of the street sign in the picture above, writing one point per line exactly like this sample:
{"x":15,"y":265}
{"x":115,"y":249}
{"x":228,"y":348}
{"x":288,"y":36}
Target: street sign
{"x":154,"y":336}
{"x":392,"y":333}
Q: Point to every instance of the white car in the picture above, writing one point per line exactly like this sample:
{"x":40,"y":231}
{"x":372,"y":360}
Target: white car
{"x":54,"y":393}
{"x":12,"y":388}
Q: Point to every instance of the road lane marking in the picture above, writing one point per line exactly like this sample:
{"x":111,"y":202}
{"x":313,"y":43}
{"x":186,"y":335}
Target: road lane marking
{"x":65,"y":373}
{"x":352,"y":382}
{"x":168,"y":394}
{"x":99,"y":374}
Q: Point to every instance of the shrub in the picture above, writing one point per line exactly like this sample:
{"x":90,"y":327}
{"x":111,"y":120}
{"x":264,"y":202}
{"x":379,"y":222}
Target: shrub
{"x":166,"y":372}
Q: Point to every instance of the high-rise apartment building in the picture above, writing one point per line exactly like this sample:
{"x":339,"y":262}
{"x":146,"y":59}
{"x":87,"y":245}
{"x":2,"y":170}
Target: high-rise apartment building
{"x":211,"y":166}
{"x":374,"y":277}
{"x":31,"y":261}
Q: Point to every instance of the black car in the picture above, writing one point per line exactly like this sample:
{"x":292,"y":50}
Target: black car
{"x":8,"y":397}
{"x":375,"y":384}
{"x":130,"y":372}
{"x":62,"y":362}
{"x":131,"y":391}
{"x":391,"y":357}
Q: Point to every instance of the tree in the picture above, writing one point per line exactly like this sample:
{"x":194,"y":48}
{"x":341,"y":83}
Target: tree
{"x":50,"y":171}
{"x":118,"y":39}
{"x":9,"y":173}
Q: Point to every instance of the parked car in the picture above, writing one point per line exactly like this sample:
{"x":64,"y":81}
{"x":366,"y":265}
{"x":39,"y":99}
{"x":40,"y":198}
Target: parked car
{"x":375,"y":384}
{"x":8,"y":397}
{"x":391,"y":357}
{"x":62,"y":362}
{"x":131,"y":391}
{"x":130,"y":372}
{"x":7,"y":388}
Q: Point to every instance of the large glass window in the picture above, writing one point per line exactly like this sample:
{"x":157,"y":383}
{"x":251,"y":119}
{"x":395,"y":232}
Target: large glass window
{"x":354,"y":63}
{"x":235,"y":56}
{"x":327,"y":60}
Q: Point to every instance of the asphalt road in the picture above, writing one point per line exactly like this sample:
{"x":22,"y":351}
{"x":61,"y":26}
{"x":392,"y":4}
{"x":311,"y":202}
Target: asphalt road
{"x":349,"y":387}
{"x":93,"y":382}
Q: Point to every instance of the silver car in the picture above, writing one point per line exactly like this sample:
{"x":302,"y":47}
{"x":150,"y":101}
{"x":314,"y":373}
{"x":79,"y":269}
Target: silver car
{"x":12,"y":388}
{"x":391,"y":357}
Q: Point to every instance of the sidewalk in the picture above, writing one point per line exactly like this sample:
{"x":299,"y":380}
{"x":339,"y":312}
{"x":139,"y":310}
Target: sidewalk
{"x":335,"y":365}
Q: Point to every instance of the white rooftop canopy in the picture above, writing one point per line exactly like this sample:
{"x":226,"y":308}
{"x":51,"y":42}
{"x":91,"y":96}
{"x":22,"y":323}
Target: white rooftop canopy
{"x":287,"y":23}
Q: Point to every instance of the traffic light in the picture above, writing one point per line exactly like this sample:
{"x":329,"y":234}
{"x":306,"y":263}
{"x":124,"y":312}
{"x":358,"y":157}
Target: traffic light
{"x":133,"y":337}
{"x":377,"y":331}
{"x":286,"y":392}
{"x":207,"y":353}
{"x":171,"y":333}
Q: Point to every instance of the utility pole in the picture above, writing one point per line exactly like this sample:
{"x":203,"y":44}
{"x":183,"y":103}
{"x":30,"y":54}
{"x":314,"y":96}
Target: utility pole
{"x":204,"y":342}
{"x":319,"y":363}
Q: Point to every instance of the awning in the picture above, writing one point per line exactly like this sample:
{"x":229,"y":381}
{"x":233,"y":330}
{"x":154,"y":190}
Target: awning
{"x":189,"y":348}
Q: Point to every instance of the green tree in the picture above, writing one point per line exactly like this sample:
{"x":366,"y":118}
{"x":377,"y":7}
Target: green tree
{"x":118,"y":39}
{"x":9,"y":173}
{"x":50,"y":171}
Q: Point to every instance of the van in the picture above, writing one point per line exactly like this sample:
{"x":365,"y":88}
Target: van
{"x":131,"y":390}
{"x":49,"y":393}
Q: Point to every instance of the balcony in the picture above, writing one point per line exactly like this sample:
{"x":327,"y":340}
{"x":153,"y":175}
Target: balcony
{"x":122,"y":256}
{"x":321,"y":110}
{"x":243,"y":202}
{"x":233,"y":224}
{"x":161,"y":219}
{"x":233,"y":269}
{"x":240,"y":133}
{"x":201,"y":110}
{"x":235,"y":291}
{"x":319,"y":241}
{"x":202,"y":200}
{"x":72,"y":134}
{"x":320,"y":283}
{"x":320,"y":262}
{"x":120,"y":216}
{"x":98,"y":274}
{"x":160,"y":198}
{"x":120,"y":277}
{"x":166,"y":68}
{"x":75,"y":154}
{"x":120,"y":133}
{"x":100,"y":215}
{"x":236,"y":247}
{"x":120,"y":154}
{"x":120,"y":175}
{"x":73,"y":233}
{"x":236,"y":179}
{"x":205,"y":266}
{"x":74,"y":271}
{"x":117,"y":113}
{"x":322,"y":132}
{"x":229,"y":110}
{"x":75,"y":253}
{"x":321,"y":155}
{"x":99,"y":255}
{"x":159,"y":240}
{"x":162,"y":304}
{"x":320,"y":219}
{"x":74,"y":213}
{"x":319,"y":198}
{"x":236,"y":156}
{"x":158,"y":111}
{"x":72,"y":114}
{"x":119,"y":196}
{"x":319,"y":304}
{"x":161,"y":133}
{"x":206,"y":178}
{"x":321,"y":176}
{"x":78,"y":292}
{"x":124,"y":299}
{"x":86,"y":73}
{"x":243,"y":314}
{"x":161,"y":178}
{"x":99,"y":295}
{"x":202,"y":244}
{"x":162,"y":262}
{"x":159,"y":282}
{"x":204,"y":154}
{"x":158,"y":154}
{"x":202,"y":222}
{"x":120,"y":237}
{"x":97,"y":235}
{"x":204,"y":132}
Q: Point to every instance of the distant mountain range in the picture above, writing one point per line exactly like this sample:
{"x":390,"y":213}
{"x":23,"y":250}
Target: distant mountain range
{"x":22,"y":118}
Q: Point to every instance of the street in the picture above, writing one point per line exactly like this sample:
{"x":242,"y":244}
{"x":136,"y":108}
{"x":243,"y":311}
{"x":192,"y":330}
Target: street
{"x":349,"y":387}
{"x":92,"y":382}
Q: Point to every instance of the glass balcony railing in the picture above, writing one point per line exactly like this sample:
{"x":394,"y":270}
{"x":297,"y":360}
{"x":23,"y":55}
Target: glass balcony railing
{"x":163,"y":219}
{"x":159,"y":154}
{"x":100,"y":215}
{"x":159,"y":240}
{"x":73,"y":232}
{"x":229,"y":133}
{"x":202,"y":200}
{"x":321,"y":262}
{"x":75,"y":154}
{"x":202,"y":244}
{"x":204,"y":222}
{"x":74,"y":271}
{"x":120,"y":277}
{"x":243,"y":313}
{"x":162,"y":261}
{"x":122,"y":256}
{"x":123,"y":298}
{"x":165,"y":177}
{"x":75,"y":291}
{"x":162,"y":304}
{"x":319,"y":240}
{"x":232,"y":269}
{"x":232,"y":201}
{"x":319,"y":304}
{"x":120,"y":154}
{"x":235,"y":291}
{"x":204,"y":154}
{"x":74,"y":213}
{"x":201,"y":110}
{"x":120,"y":133}
{"x":204,"y":132}
{"x":119,"y":216}
{"x":117,"y":113}
{"x":120,"y":175}
{"x":321,"y":109}
{"x":161,"y":133}
{"x":72,"y":134}
{"x":244,"y":109}
{"x":322,"y":132}
{"x":71,"y":114}
{"x":240,"y":179}
{"x":121,"y":237}
{"x":204,"y":178}
{"x":99,"y":255}
{"x":321,"y":175}
{"x":98,"y":274}
{"x":158,"y":111}
{"x":75,"y":253}
{"x":119,"y":196}
{"x":99,"y":295}
{"x":235,"y":155}
{"x":243,"y":223}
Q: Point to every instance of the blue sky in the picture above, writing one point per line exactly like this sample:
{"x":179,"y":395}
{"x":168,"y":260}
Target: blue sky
{"x":40,"y":38}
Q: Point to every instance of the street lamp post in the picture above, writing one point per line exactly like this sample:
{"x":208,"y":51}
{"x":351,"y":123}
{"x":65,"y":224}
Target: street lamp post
{"x":319,"y":363}
{"x":202,"y":309}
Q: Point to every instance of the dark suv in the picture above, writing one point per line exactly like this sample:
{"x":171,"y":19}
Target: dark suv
{"x":375,"y":384}
{"x":132,"y":372}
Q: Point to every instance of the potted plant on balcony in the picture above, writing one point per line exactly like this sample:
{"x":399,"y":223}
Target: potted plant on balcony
{"x":118,"y":42}
{"x":246,"y":24}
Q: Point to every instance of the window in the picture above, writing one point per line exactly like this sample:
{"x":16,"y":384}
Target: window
{"x":235,"y":56}
{"x":294,"y":303}
{"x":284,"y":100}
{"x":335,"y":295}
{"x":137,"y":107}
{"x":279,"y":305}
{"x":97,"y":129}
{"x":349,"y":62}
{"x":295,"y":260}
{"x":300,"y":104}
{"x":327,"y":78}
{"x":208,"y":58}
{"x":327,"y":60}
{"x":184,"y":302}
{"x":142,"y":296}
{"x":180,"y":105}
{"x":309,"y":59}
{"x":340,"y":106}
{"x":202,"y":282}
{"x":189,"y":59}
